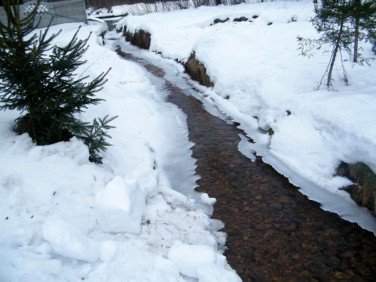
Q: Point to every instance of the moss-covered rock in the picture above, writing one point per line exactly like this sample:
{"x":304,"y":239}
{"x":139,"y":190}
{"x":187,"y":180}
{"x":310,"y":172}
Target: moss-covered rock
{"x":140,"y":38}
{"x":364,"y":189}
{"x":197,"y":71}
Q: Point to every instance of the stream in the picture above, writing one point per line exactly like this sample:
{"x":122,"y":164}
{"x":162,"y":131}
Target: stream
{"x":274,"y":233}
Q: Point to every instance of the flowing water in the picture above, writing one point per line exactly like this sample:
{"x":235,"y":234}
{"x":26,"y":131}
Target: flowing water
{"x":274,"y":232}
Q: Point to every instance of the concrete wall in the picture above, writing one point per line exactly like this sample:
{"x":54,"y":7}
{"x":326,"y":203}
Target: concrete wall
{"x":59,"y":11}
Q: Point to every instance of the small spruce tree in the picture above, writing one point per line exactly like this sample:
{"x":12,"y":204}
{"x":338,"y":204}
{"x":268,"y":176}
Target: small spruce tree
{"x":331,"y":22}
{"x":341,"y":24}
{"x":37,"y":78}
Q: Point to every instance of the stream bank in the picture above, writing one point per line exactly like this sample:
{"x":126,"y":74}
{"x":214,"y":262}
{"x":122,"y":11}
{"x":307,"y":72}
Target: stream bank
{"x":274,"y":232}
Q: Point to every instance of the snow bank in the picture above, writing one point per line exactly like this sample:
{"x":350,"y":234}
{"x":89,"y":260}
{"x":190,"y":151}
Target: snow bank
{"x":66,"y":219}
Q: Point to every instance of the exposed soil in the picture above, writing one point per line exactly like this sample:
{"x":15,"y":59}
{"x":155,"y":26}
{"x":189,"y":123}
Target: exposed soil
{"x":239,"y":19}
{"x":140,"y":38}
{"x":274,"y":232}
{"x":217,"y":21}
{"x":197,"y":71}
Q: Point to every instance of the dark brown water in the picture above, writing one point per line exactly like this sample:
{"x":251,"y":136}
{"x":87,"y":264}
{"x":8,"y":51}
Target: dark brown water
{"x":274,"y":232}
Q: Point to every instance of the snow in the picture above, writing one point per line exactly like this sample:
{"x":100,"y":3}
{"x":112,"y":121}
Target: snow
{"x":108,"y":250}
{"x":68,"y":241}
{"x":265,"y":85}
{"x":200,"y":262}
{"x":63,"y":218}
{"x":121,"y":204}
{"x":296,"y":141}
{"x":206,"y":199}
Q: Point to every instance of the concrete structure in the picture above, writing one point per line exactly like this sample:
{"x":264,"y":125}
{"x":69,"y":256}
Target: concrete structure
{"x":63,"y":11}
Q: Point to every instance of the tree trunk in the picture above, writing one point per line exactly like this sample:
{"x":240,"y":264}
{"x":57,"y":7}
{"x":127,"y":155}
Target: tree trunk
{"x":356,"y":40}
{"x":334,"y":54}
{"x":356,"y":32}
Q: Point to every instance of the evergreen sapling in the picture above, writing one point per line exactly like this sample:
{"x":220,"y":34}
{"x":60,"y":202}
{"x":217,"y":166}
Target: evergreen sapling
{"x":331,"y":18}
{"x":37,"y":79}
{"x":341,"y":25}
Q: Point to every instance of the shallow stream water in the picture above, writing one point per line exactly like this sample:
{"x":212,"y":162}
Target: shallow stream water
{"x":274,"y":232}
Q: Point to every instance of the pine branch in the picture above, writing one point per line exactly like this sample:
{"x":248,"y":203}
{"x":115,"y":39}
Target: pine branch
{"x":94,"y":136}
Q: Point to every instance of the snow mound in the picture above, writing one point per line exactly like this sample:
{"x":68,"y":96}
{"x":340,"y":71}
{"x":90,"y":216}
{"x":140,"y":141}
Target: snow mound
{"x":121,"y":204}
{"x":201,"y":262}
{"x":66,"y":219}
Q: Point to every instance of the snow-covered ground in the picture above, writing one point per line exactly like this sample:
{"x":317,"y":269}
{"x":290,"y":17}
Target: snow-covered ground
{"x":262,"y":82}
{"x":66,"y":219}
